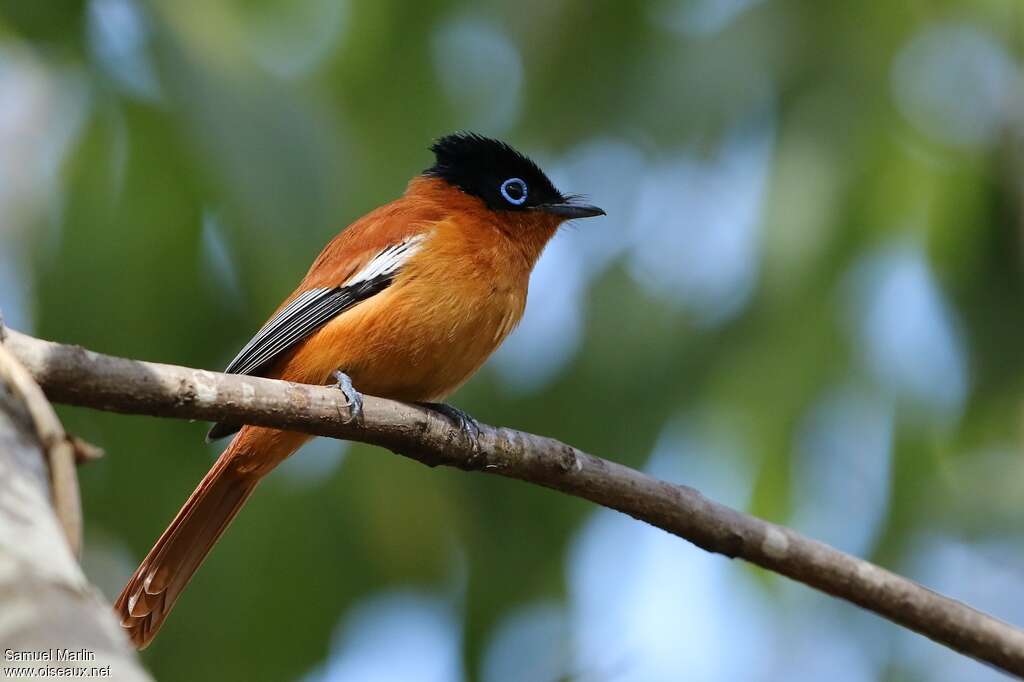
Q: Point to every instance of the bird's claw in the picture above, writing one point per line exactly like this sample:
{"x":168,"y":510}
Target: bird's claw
{"x":354,"y":398}
{"x":469,"y":426}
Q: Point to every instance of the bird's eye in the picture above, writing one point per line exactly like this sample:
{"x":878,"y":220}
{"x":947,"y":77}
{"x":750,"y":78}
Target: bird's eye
{"x":514,"y":191}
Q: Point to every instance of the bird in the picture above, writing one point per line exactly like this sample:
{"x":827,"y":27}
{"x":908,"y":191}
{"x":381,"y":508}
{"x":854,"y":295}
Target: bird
{"x":406,"y":303}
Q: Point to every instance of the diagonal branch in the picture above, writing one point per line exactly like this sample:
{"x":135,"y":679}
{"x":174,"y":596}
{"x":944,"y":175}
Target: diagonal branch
{"x":72,"y":375}
{"x":58,"y":446}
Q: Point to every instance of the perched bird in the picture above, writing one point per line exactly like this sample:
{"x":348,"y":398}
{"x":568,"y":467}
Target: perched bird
{"x":406,"y":303}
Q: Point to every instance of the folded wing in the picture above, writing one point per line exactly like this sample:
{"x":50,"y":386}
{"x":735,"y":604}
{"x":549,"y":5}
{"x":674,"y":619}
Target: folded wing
{"x":312,"y":309}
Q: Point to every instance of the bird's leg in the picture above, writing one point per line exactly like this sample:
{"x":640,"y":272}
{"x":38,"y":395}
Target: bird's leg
{"x":469,"y":426}
{"x":354,"y":398}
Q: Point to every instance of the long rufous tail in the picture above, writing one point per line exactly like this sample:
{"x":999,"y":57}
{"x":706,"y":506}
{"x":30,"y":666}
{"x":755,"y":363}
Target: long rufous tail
{"x":150,"y":594}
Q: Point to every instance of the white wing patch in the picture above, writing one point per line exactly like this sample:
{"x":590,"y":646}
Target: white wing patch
{"x":389,"y":260}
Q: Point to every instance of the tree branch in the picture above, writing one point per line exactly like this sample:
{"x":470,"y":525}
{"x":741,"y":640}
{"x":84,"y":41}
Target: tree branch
{"x":76,"y":376}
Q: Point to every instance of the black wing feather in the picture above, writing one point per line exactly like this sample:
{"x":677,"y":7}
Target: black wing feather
{"x":298,"y":320}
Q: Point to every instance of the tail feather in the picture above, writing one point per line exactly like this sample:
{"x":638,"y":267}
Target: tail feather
{"x":150,"y":594}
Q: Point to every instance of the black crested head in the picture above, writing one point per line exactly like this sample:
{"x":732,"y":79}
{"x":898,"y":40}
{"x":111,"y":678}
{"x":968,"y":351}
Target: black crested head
{"x":492,"y":171}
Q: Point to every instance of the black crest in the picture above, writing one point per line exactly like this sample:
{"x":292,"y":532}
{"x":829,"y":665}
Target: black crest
{"x":489,"y":169}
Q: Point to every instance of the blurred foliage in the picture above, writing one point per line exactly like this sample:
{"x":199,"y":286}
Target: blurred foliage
{"x":211,"y":148}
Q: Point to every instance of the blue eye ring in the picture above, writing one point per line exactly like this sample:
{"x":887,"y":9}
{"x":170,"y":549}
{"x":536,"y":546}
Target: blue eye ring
{"x":514,"y":182}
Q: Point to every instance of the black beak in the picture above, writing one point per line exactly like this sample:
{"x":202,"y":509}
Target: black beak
{"x":570,"y":210}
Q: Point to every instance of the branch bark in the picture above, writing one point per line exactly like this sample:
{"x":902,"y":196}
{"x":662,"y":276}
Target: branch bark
{"x":49,"y":608}
{"x":76,"y":376}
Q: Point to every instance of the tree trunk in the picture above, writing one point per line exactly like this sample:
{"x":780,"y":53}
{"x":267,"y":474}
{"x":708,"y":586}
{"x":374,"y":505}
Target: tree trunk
{"x":48,"y":609}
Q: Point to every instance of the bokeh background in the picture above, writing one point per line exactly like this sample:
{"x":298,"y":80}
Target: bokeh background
{"x":805,"y":300}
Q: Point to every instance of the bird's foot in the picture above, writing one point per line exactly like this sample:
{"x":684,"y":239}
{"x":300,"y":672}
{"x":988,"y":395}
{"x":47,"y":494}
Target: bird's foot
{"x":354,"y":398}
{"x":466,"y":424}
